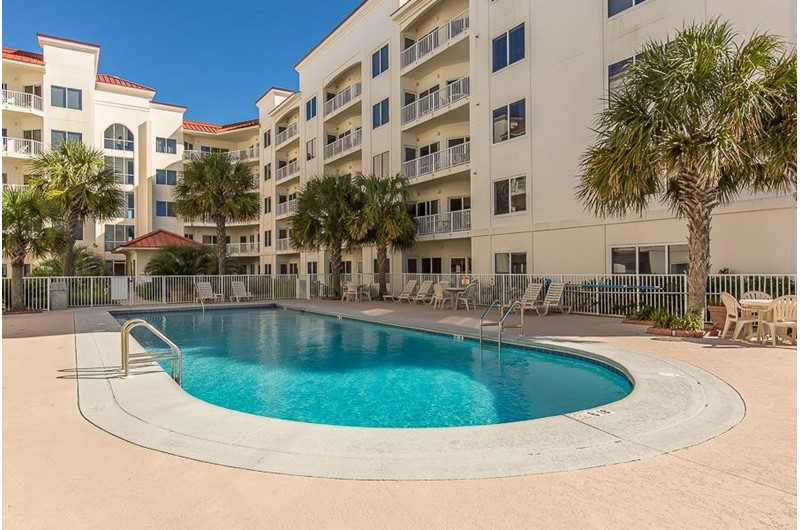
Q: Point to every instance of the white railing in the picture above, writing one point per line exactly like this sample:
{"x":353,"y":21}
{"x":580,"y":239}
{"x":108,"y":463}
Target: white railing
{"x":343,"y":98}
{"x":287,"y":171}
{"x":238,"y":249}
{"x":440,"y":99}
{"x":283,"y":244}
{"x":207,"y":221}
{"x":286,"y":134}
{"x":286,"y":207}
{"x":237,"y":155}
{"x":19,"y":187}
{"x":435,"y":39}
{"x":443,"y":223}
{"x":22,"y":101}
{"x":452,"y":157}
{"x":21,"y":147}
{"x":592,"y":294}
{"x":342,"y":145}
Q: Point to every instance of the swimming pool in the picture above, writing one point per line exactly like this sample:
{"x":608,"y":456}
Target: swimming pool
{"x":319,"y":369}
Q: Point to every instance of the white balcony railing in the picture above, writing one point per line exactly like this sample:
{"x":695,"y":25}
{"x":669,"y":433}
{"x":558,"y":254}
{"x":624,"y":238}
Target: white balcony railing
{"x":21,"y":147}
{"x":344,"y":144}
{"x":238,"y":155}
{"x":286,"y":134}
{"x":240,"y":249}
{"x":444,"y":223}
{"x":283,"y":244}
{"x":289,"y":170}
{"x":22,"y":101}
{"x":440,"y":99}
{"x":19,"y":187}
{"x":343,"y":98}
{"x":286,"y":207}
{"x":454,"y":156}
{"x":435,"y":39}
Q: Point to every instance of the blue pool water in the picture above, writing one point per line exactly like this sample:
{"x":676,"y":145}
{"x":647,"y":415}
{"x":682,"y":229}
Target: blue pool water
{"x":319,"y":369}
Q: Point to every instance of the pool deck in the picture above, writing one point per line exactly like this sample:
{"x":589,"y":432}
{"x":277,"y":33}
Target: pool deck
{"x":742,"y":478}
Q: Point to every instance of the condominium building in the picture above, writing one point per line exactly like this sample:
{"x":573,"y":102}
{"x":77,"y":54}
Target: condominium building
{"x":485,"y":106}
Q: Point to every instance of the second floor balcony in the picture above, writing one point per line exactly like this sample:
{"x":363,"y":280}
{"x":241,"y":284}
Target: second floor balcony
{"x":287,"y":134}
{"x":238,"y":155}
{"x":243,"y":249}
{"x":343,"y":99}
{"x":452,"y":157}
{"x":442,"y":99}
{"x":343,"y":145}
{"x":286,"y":208}
{"x":284,"y":245}
{"x":289,"y":170}
{"x":21,"y":147}
{"x":435,"y":40}
{"x":23,"y":102}
{"x":444,"y":223}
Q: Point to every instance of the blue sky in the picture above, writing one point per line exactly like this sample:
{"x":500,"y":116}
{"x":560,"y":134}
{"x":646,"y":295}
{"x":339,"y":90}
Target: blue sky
{"x":214,"y":57}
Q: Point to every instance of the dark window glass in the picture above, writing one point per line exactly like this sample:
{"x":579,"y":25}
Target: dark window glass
{"x":58,"y":96}
{"x":74,"y":99}
{"x":517,"y":120}
{"x":500,"y":52}
{"x":516,"y":48}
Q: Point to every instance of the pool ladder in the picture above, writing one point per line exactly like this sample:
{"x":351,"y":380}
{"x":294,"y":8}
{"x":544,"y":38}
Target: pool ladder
{"x":501,"y":322}
{"x":173,"y":354}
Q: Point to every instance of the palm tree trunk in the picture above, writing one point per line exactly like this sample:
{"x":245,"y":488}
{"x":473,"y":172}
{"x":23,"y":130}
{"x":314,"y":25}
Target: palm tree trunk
{"x":70,"y":227}
{"x":336,"y":270}
{"x":699,"y":216}
{"x":222,"y":246}
{"x":17,"y":285}
{"x":382,"y":258}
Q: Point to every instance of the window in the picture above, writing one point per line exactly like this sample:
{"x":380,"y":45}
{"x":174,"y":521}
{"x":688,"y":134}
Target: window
{"x":268,"y":238}
{"x":380,"y":113}
{"x":118,"y":137}
{"x":267,"y":205}
{"x":380,"y":61}
{"x":122,"y":168}
{"x":66,"y":98}
{"x":166,"y":177}
{"x":425,"y":208}
{"x":166,"y":145}
{"x":267,"y":137}
{"x":311,"y":267}
{"x":189,"y":236}
{"x":460,"y":265}
{"x":509,"y":121}
{"x":311,"y":108}
{"x":510,"y":262}
{"x":79,"y":233}
{"x":56,"y":137}
{"x":650,"y":259}
{"x":311,"y":149}
{"x":188,"y":146}
{"x":268,"y":268}
{"x":431,"y":265}
{"x":509,"y":196}
{"x":388,"y":265}
{"x":617,"y":73}
{"x":508,"y":48}
{"x":115,"y":235}
{"x":164,"y":209}
{"x":129,"y":210}
{"x":458,"y":204}
{"x":380,"y":164}
{"x":618,"y":6}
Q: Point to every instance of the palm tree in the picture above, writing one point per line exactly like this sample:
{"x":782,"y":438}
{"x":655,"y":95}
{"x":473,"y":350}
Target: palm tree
{"x":182,"y":260}
{"x":215,"y":187}
{"x":384,"y":219}
{"x":28,"y":219}
{"x":75,"y":178}
{"x":698,"y":121}
{"x":324,"y":214}
{"x":86,"y":262}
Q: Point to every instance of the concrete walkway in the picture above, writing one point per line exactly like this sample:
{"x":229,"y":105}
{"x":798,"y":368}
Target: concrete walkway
{"x":60,"y":471}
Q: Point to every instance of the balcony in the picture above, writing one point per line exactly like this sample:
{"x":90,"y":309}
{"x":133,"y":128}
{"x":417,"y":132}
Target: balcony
{"x":240,"y":155}
{"x":285,"y":208}
{"x":22,"y":102}
{"x":289,"y":170}
{"x":435,"y":40}
{"x":343,"y":99}
{"x":18,"y":187}
{"x":444,"y":223}
{"x":441,"y":99}
{"x":452,"y":157}
{"x":286,"y":134}
{"x":207,"y":221}
{"x":243,"y":249}
{"x":21,"y":147}
{"x":284,"y":245}
{"x":343,"y":145}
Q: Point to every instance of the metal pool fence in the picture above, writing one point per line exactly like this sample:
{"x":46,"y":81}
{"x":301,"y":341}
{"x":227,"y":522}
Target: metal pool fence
{"x":590,"y":294}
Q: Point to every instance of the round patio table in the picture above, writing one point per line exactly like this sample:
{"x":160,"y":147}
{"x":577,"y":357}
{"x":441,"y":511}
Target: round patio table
{"x":454,"y":292}
{"x":761,"y":307}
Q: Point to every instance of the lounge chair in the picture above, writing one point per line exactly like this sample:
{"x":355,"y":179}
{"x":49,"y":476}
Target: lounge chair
{"x":782,"y":315}
{"x":366,"y":292}
{"x":205,"y":292}
{"x":467,"y":297}
{"x":440,"y":298}
{"x":424,"y":293}
{"x":552,"y":301}
{"x":530,"y":298}
{"x":736,"y":315}
{"x":239,"y":292}
{"x":406,"y":294}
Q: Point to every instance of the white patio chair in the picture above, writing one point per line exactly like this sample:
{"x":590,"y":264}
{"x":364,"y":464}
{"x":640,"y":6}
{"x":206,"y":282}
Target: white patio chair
{"x":351,"y":292}
{"x":424,"y":293}
{"x":782,"y":317}
{"x":530,"y":298}
{"x":205,"y":292}
{"x":440,"y":298}
{"x":365,"y":293}
{"x":553,"y":301}
{"x":756,"y":295}
{"x":239,"y":292}
{"x":467,"y":297}
{"x":737,"y":316}
{"x":405,"y":294}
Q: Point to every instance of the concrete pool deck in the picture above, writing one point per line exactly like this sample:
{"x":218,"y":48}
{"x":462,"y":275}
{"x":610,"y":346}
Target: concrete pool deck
{"x":742,"y":478}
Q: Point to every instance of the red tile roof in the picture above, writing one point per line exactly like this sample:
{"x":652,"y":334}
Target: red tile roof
{"x":158,"y":238}
{"x":23,"y":56}
{"x":114,"y":80}
{"x":201,"y":126}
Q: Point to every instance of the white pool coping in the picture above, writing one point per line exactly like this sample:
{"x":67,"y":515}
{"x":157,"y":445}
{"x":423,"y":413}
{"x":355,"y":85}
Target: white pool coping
{"x":673,"y":405}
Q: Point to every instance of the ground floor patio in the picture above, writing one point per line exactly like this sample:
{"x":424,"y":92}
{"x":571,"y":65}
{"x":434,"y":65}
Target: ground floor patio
{"x":61,"y":471}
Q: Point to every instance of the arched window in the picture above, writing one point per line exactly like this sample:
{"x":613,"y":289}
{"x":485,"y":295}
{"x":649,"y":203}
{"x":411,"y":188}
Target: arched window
{"x":118,"y":137}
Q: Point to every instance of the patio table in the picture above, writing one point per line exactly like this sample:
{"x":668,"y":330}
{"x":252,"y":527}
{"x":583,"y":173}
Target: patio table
{"x":454,"y":292}
{"x":761,"y":307}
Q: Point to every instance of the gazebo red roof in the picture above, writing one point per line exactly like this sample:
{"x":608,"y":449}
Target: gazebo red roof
{"x":158,"y":238}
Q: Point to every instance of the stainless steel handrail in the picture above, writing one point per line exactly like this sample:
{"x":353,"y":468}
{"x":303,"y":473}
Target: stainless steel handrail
{"x":483,"y":317}
{"x":172,"y":356}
